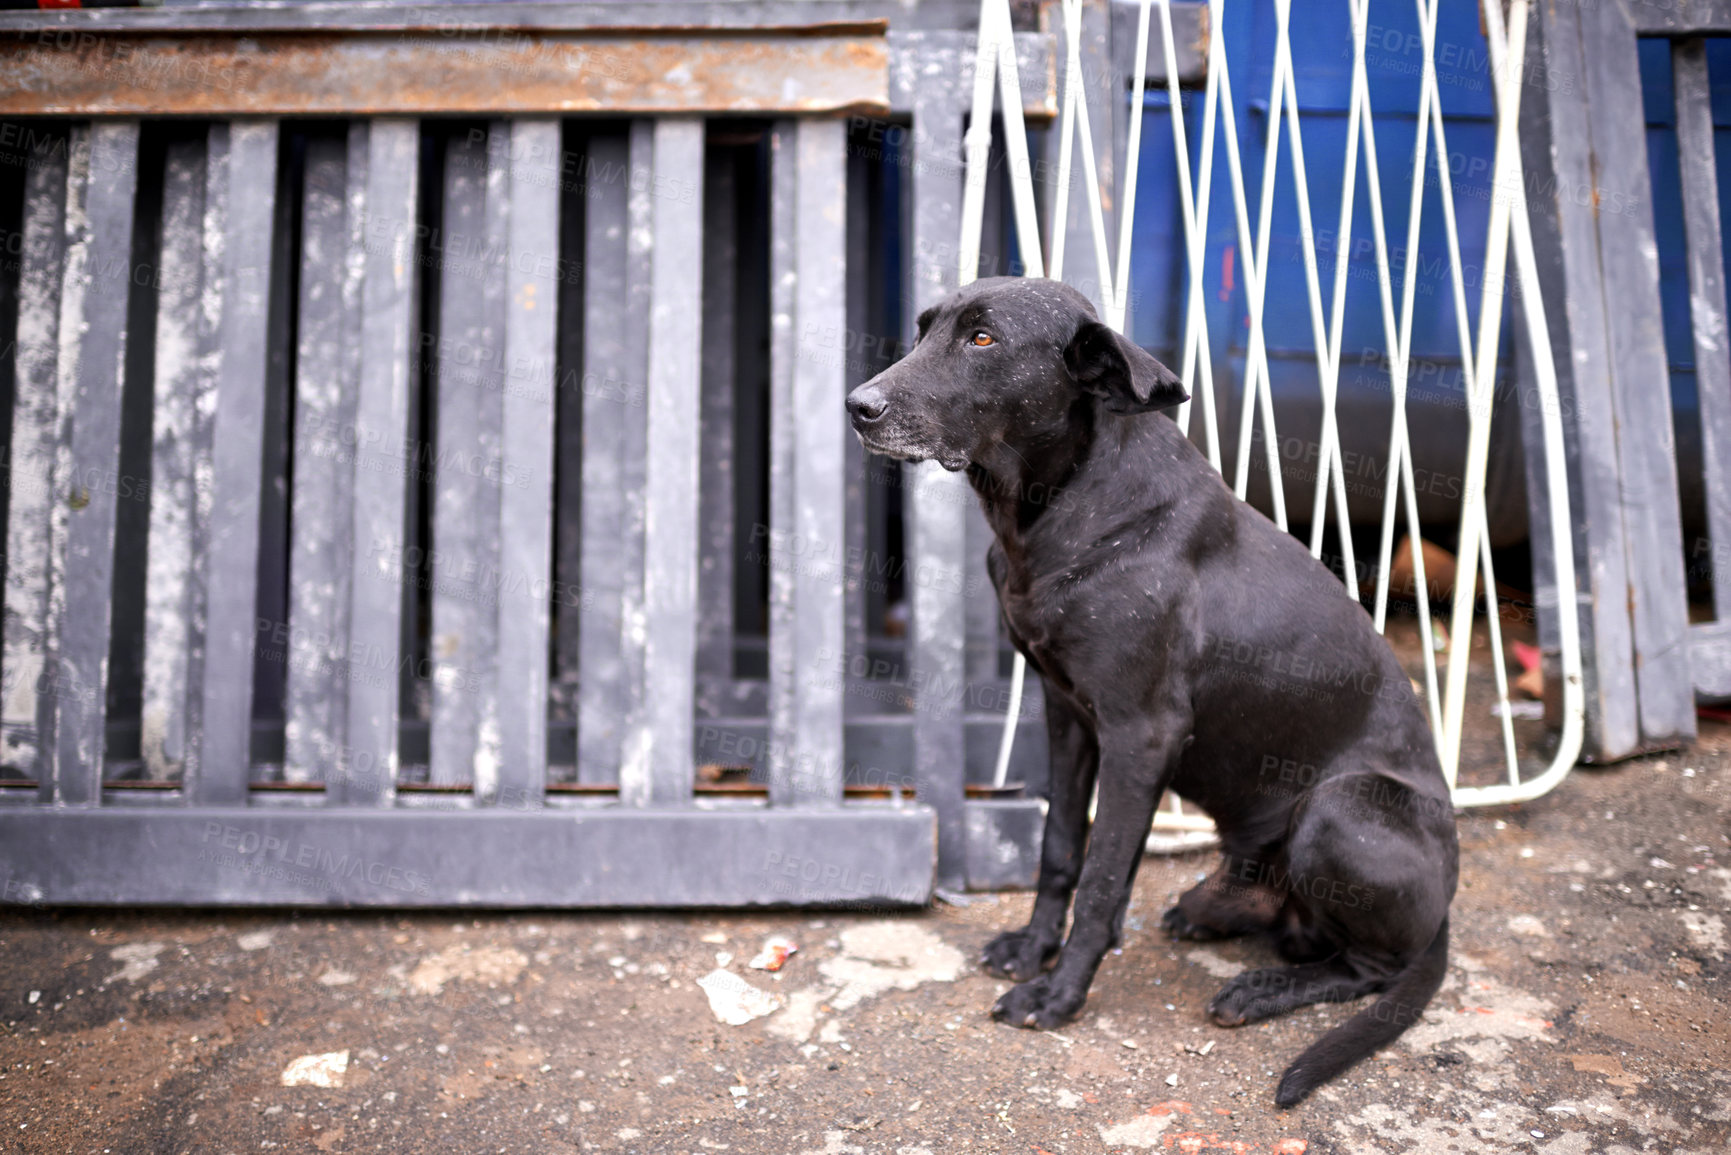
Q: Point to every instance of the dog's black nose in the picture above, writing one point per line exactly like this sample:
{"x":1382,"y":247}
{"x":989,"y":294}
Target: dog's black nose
{"x":866,"y":404}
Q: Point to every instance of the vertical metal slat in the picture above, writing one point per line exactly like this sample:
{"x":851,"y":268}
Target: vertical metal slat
{"x":526,"y":474}
{"x":820,"y":436}
{"x":240,"y":209}
{"x":316,"y":638}
{"x":615,"y":349}
{"x":656,"y":766}
{"x":939,"y":504}
{"x":783,"y":353}
{"x":92,"y":355}
{"x":387,"y":310}
{"x":465,"y":547}
{"x":175,"y":454}
{"x":30,"y":473}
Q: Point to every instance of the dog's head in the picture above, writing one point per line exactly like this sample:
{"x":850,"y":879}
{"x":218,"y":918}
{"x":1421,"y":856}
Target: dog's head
{"x":1007,"y":359}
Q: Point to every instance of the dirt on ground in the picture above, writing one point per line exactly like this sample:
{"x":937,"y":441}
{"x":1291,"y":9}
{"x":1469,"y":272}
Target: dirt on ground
{"x":1584,"y":1012}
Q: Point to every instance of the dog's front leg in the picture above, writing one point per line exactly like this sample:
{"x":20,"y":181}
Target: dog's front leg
{"x":1022,"y":954}
{"x":1136,"y":761}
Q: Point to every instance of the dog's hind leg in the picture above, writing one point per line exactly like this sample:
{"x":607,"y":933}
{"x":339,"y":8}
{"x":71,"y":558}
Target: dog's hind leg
{"x":1223,"y":905}
{"x":1262,"y":994}
{"x":1370,"y":869}
{"x":1022,"y":954}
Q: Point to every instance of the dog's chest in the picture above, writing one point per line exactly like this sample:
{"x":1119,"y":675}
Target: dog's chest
{"x":1038,"y":609}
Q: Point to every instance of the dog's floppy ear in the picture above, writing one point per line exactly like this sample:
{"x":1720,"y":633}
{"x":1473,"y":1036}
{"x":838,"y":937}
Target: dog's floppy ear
{"x":1117,"y":369}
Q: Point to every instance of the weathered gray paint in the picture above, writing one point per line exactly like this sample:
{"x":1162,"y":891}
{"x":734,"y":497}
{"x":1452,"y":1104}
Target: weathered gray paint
{"x":784,"y":673}
{"x":1634,"y":346}
{"x":655,"y":763}
{"x":820,"y":433}
{"x":175,"y":456}
{"x":924,"y":62}
{"x":1700,"y":186}
{"x":31,"y":460}
{"x":317,"y":642}
{"x":1106,"y":110}
{"x":526,"y":494}
{"x":466,"y":588}
{"x":242,"y":194}
{"x":568,"y":857}
{"x":1557,"y":152}
{"x":369,"y":759}
{"x":615,"y":352}
{"x":103,"y":180}
{"x":1003,"y":842}
{"x":937,"y":500}
{"x":1680,"y":17}
{"x":1189,"y":39}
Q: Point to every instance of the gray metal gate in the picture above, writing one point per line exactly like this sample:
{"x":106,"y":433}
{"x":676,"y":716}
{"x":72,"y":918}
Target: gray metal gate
{"x":385,"y":458}
{"x":1584,"y":137}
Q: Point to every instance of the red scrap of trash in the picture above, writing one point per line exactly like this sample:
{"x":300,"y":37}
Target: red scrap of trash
{"x":1527,"y":656}
{"x":774,"y":955}
{"x":1169,"y":1107}
{"x":1291,"y":1147}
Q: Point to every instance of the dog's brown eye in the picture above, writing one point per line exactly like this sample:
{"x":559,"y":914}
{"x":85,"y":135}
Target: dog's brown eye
{"x":982,"y":338}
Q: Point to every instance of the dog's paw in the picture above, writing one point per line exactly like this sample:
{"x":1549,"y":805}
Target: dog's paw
{"x":1177,"y":924}
{"x":1039,"y":1004}
{"x":1017,"y":954}
{"x":1249,"y":997}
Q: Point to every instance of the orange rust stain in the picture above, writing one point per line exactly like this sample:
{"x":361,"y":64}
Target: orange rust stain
{"x":1169,"y":1107}
{"x":1291,"y":1147}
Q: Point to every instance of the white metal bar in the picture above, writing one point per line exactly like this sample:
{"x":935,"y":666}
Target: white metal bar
{"x":1195,"y":232}
{"x":1481,"y":397}
{"x":1479,"y":348}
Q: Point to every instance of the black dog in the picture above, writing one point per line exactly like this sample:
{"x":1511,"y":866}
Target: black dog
{"x":1184,"y":642}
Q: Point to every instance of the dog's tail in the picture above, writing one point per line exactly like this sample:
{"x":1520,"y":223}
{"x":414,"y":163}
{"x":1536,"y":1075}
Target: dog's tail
{"x":1372,"y":1028}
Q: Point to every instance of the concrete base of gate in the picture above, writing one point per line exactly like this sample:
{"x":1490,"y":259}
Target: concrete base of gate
{"x":870,"y":854}
{"x":1004,"y":835}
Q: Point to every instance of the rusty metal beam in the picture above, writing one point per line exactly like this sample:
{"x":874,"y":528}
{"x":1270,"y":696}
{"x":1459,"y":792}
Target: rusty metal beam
{"x":829,"y":68}
{"x":516,"y":15}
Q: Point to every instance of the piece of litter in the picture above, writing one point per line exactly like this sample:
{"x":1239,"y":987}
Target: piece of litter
{"x":34,"y":995}
{"x":715,"y":937}
{"x":1206,"y":1047}
{"x":1172,"y":1079}
{"x":1131,"y":1043}
{"x":1538,"y":1134}
{"x":738,"y":1092}
{"x":774,"y":955}
{"x":735,"y":1001}
{"x":723,"y":957}
{"x":317,"y":1070}
{"x":951,"y":897}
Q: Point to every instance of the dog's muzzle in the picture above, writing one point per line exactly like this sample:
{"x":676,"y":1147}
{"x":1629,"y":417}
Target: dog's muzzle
{"x":866,"y":406}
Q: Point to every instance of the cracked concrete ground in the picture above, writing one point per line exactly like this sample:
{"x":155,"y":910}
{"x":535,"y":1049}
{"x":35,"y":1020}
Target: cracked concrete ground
{"x":1584,"y":1012}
